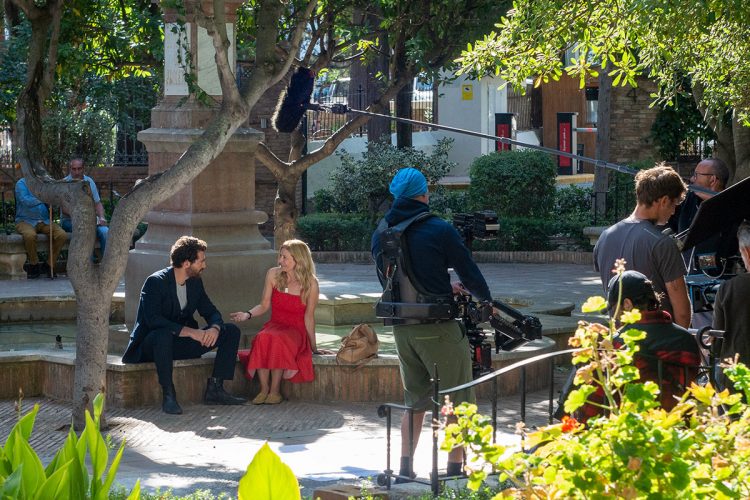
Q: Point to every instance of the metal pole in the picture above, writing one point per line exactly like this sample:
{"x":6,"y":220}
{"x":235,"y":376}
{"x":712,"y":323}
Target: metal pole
{"x":551,"y":387}
{"x":5,"y":215}
{"x":435,"y":415}
{"x":388,"y":470}
{"x":49,"y":236}
{"x":505,"y":140}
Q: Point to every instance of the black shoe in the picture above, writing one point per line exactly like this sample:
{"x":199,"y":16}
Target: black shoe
{"x":46,"y":270}
{"x":33,"y":271}
{"x":216,"y":395}
{"x":169,"y":404}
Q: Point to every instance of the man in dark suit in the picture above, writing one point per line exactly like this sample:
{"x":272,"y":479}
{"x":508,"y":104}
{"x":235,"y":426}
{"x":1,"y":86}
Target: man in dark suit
{"x":165,"y":328}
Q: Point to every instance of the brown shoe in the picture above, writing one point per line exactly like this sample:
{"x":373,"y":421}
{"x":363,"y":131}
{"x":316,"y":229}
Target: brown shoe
{"x":260,"y":398}
{"x":273,"y":399}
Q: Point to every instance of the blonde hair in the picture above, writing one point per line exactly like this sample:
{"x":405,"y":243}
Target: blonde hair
{"x":304,"y":269}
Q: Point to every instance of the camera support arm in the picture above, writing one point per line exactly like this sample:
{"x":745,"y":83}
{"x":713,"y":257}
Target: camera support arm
{"x":511,"y":334}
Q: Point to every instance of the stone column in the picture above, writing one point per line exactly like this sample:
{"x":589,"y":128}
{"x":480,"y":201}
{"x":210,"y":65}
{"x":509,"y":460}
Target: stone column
{"x":219,"y":205}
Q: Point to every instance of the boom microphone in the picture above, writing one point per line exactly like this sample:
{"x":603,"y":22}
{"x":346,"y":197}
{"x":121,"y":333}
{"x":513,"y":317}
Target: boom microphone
{"x":294,"y":101}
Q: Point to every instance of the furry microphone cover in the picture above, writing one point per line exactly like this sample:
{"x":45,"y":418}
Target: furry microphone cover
{"x":294,"y":101}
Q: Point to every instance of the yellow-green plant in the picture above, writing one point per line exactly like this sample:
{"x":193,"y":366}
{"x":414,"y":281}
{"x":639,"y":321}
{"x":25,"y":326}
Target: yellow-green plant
{"x":635,"y":449}
{"x":268,"y":477}
{"x":22,"y":475}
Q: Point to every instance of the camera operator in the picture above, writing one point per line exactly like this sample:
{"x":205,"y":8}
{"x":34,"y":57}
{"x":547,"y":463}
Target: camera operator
{"x":732,"y":306}
{"x":430,"y":247}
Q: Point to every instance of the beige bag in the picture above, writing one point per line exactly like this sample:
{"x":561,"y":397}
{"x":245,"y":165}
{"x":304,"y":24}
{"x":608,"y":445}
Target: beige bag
{"x":359,"y":347}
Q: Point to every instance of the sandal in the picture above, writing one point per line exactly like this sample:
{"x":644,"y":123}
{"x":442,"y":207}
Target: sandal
{"x":260,"y":398}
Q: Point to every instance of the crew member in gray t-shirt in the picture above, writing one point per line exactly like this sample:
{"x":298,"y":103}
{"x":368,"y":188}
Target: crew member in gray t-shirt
{"x":645,"y":249}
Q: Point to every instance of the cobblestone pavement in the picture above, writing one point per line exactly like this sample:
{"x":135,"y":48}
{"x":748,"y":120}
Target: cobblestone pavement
{"x":209,"y":447}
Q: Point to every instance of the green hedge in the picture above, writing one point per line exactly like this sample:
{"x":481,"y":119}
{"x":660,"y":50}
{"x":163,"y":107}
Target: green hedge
{"x":531,"y":234}
{"x":513,"y":184}
{"x":335,"y":232}
{"x":343,"y":232}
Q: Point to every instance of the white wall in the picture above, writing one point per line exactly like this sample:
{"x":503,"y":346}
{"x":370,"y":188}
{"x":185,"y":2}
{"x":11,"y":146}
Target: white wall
{"x":476,"y":114}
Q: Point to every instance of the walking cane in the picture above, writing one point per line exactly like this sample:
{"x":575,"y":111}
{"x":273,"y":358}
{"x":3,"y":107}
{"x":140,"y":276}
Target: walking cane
{"x":49,"y":236}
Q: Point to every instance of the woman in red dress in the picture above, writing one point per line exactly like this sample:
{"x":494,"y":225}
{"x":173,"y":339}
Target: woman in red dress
{"x":284,"y":347}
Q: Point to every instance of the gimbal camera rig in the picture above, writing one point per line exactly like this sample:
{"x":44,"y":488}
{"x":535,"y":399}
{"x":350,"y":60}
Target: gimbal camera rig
{"x":512,"y":328}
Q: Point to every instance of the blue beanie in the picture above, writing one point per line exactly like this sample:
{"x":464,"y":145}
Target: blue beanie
{"x":408,"y":183}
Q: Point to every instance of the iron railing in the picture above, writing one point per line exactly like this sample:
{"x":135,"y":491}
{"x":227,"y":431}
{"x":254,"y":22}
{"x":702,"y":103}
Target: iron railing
{"x":321,"y":125}
{"x":709,"y":339}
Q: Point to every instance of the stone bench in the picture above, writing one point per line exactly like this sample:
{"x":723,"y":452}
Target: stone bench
{"x":593,"y":233}
{"x":51,"y":374}
{"x":13,"y":254}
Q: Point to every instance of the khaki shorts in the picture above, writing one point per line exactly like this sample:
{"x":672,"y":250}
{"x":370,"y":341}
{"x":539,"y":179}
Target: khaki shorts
{"x":419,"y":348}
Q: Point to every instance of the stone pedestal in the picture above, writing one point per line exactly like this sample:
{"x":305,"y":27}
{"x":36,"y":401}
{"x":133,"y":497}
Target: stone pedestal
{"x":219,"y":205}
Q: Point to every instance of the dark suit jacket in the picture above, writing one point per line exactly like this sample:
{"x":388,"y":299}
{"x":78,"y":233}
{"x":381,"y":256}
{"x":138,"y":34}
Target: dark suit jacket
{"x":159,"y":308}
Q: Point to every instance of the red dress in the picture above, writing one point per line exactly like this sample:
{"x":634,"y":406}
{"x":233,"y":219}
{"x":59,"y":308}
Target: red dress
{"x":282,"y":343}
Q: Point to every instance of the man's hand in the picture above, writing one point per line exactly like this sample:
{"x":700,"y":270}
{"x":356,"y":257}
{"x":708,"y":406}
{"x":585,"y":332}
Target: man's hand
{"x":101,"y":221}
{"x":459,"y":288}
{"x":206,"y":338}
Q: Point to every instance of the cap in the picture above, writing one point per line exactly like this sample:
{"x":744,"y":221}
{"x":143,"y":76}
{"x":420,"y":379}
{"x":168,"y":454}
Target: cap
{"x":635,"y":286}
{"x":408,"y":183}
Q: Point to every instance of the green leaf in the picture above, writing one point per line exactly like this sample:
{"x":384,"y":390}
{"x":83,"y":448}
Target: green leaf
{"x":57,"y":485}
{"x":578,"y":398}
{"x":112,"y":473}
{"x":22,"y":430}
{"x":11,"y":487}
{"x":135,"y":494}
{"x":33,"y":471}
{"x":594,"y":304}
{"x":268,"y":477}
{"x":98,"y":453}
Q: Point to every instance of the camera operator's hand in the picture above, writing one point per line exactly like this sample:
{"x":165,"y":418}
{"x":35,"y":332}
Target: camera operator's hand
{"x":459,"y":288}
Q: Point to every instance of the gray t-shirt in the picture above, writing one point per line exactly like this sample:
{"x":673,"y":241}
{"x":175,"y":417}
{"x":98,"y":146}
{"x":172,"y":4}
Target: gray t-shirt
{"x":181,"y":295}
{"x":645,"y":249}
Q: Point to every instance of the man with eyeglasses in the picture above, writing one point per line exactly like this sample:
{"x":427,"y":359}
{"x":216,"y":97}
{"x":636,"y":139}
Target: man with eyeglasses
{"x":706,"y":256}
{"x":711,"y":173}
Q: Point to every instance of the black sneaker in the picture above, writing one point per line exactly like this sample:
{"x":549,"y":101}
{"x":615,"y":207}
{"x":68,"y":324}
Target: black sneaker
{"x":33,"y":271}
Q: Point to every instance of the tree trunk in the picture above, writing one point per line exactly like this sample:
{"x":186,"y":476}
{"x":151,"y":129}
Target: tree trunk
{"x":285,"y":209}
{"x":601,"y":174}
{"x":403,"y":110}
{"x":741,"y":151}
{"x":403,"y":98}
{"x":92,"y":321}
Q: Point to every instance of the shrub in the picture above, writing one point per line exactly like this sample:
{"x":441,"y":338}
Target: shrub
{"x":573,"y":203}
{"x":22,"y":474}
{"x":447,"y":201}
{"x":69,"y":132}
{"x":335,"y":232}
{"x":636,"y":449}
{"x":361,"y":185}
{"x":513,"y":183}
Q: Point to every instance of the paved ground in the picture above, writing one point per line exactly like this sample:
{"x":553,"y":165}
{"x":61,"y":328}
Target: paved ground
{"x":210,"y":447}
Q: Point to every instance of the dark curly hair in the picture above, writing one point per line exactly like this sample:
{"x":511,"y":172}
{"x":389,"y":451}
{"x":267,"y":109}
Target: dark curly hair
{"x":186,"y":248}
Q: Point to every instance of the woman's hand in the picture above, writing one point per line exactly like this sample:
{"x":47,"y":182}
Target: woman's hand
{"x":323,"y":352}
{"x":240,"y":316}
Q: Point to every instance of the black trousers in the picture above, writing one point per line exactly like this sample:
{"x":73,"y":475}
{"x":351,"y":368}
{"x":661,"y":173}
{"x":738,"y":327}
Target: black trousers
{"x":162,"y":347}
